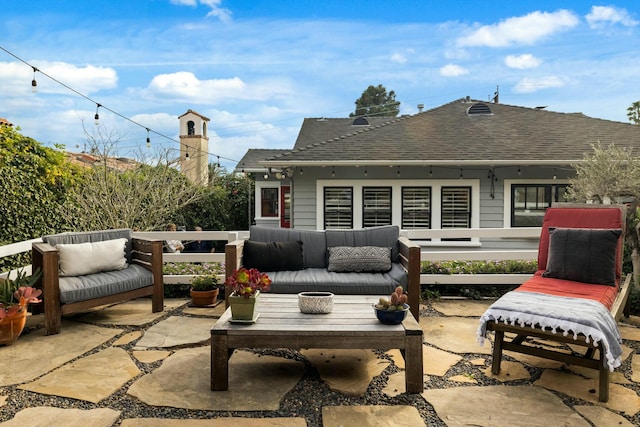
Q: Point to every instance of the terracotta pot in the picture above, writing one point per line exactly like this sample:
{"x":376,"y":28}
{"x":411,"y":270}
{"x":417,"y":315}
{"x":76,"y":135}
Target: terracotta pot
{"x":243,"y":308}
{"x":11,"y":327}
{"x":204,"y":298}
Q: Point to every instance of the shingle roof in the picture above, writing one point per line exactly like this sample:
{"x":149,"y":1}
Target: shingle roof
{"x":250,"y":161}
{"x":509,"y":134}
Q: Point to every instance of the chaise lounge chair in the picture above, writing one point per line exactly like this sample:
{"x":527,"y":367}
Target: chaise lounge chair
{"x":576,"y":296}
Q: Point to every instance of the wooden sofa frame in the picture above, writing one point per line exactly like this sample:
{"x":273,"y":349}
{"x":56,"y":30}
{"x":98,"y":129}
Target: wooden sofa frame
{"x":513,"y":337}
{"x":146,"y":253}
{"x":409,"y":259}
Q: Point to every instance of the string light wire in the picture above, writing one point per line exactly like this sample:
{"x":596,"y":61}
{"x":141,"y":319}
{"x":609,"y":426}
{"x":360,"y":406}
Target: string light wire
{"x":100,"y":105}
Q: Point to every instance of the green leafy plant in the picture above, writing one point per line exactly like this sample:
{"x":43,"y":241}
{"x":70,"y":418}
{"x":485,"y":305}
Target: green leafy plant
{"x":479,"y":267}
{"x":16,"y":294}
{"x":205,"y":283}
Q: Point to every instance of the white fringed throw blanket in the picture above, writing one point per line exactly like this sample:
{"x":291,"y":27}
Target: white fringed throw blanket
{"x":570,"y":315}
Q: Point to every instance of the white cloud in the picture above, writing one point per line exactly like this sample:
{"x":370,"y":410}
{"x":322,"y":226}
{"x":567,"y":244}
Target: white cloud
{"x":86,"y":80}
{"x":529,"y":84}
{"x":452,"y":70}
{"x":398,"y":58}
{"x":521,"y":30}
{"x":601,"y":16}
{"x":221,"y":13}
{"x":522,"y":62}
{"x":185,"y":85}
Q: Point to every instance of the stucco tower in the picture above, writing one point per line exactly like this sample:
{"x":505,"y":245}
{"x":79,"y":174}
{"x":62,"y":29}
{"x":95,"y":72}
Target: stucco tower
{"x":194,"y":147}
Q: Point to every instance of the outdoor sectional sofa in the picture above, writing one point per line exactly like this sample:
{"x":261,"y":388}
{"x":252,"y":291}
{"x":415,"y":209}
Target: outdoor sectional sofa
{"x":368,"y":261}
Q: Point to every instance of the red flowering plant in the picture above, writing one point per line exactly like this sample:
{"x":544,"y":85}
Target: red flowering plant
{"x":16,"y":294}
{"x":246,"y":282}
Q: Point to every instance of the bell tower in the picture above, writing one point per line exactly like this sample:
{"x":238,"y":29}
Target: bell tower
{"x":194,"y":147}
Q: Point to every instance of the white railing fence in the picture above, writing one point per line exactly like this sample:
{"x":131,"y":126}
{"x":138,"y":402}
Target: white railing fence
{"x":435,"y":247}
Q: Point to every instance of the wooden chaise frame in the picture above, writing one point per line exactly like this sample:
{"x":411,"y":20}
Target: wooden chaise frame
{"x":147,"y":253}
{"x":409,"y":259}
{"x":518,"y":334}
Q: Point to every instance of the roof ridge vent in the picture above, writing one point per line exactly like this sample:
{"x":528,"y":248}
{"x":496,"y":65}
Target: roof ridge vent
{"x":360,"y":121}
{"x":479,"y":109}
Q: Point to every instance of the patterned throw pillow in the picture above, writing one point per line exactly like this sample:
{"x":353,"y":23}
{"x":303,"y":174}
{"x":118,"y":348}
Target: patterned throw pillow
{"x":359,"y":259}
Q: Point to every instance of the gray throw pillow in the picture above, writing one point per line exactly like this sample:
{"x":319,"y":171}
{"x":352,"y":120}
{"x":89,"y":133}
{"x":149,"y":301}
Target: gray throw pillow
{"x":585,"y":255}
{"x":359,"y":259}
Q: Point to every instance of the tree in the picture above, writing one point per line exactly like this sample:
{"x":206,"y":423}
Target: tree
{"x":633,"y":112}
{"x":376,"y":102}
{"x":612,"y":175}
{"x":144,"y":197}
{"x":33,"y":184}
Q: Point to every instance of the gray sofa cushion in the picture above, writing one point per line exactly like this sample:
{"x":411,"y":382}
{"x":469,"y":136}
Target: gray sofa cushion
{"x":385,"y":236}
{"x":322,"y":280}
{"x":81,"y":288}
{"x":92,"y":236}
{"x":314,"y":243}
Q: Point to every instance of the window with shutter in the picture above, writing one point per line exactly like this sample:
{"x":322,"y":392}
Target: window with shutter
{"x":376,"y":206}
{"x":338,"y":207}
{"x":416,"y":207}
{"x":456,"y":207}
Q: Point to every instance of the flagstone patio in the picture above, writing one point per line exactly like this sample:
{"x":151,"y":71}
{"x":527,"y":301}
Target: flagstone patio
{"x":123,"y":365}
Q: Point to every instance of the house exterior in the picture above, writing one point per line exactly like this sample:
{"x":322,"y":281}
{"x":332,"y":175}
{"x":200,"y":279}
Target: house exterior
{"x":465,"y":164}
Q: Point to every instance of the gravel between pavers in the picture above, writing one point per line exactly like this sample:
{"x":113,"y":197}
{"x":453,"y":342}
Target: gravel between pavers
{"x":305,"y":399}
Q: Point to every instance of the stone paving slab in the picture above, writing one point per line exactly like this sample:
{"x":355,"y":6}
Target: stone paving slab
{"x":601,"y":417}
{"x":371,"y":416}
{"x":349,"y":371}
{"x":454,"y":334}
{"x":256,"y":383}
{"x":31,"y":349}
{"x":150,"y":356}
{"x":462,"y":308}
{"x":132,"y":313}
{"x":509,"y":371}
{"x":46,"y":416}
{"x":92,"y":378}
{"x":620,"y":398}
{"x":217,"y":422}
{"x":500,"y":406}
{"x":175,"y":331}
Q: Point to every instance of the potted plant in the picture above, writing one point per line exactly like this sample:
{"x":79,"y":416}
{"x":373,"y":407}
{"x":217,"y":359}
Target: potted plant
{"x":392,"y":311}
{"x":204,"y":290}
{"x":15,"y":296}
{"x":245,"y":286}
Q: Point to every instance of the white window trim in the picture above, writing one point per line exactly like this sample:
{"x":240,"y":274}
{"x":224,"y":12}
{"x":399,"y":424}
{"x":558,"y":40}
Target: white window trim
{"x":507,"y":194}
{"x":258,"y":200}
{"x":396,"y":197}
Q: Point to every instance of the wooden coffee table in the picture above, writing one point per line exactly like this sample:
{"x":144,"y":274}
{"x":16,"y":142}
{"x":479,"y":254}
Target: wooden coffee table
{"x":351,"y":324}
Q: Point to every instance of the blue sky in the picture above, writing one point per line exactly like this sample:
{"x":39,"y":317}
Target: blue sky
{"x":258,"y":68}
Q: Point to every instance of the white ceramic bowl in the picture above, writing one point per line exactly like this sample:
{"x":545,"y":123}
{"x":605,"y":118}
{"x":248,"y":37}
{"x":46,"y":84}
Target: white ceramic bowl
{"x":315,"y":302}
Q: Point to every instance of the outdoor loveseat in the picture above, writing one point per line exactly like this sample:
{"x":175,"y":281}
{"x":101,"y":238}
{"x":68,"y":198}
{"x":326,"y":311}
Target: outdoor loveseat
{"x":369,"y":261}
{"x":89,"y":269}
{"x":575,"y":297}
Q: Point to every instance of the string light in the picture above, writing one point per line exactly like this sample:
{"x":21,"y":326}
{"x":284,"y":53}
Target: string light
{"x":519,"y":171}
{"x":365,"y":171}
{"x":218,"y":162}
{"x":398,"y":171}
{"x":300,"y":171}
{"x":461,"y":176}
{"x":430,"y":171}
{"x":34,"y":83}
{"x":34,"y":88}
{"x":186,"y":156}
{"x":96,"y":118}
{"x":333,"y":171}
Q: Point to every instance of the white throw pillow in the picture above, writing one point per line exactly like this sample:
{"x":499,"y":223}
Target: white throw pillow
{"x":87,"y":258}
